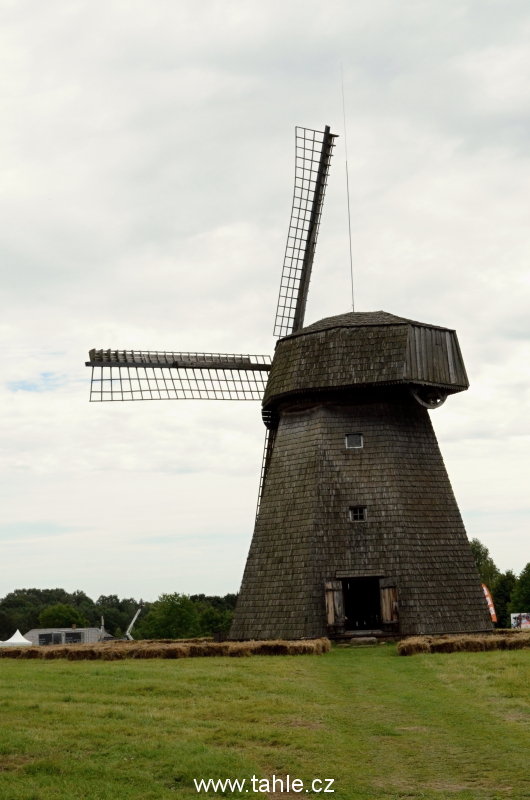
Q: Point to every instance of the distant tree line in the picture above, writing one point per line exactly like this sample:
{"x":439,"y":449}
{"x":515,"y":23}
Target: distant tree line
{"x":511,"y":594}
{"x":176,"y":616}
{"x":172,"y":616}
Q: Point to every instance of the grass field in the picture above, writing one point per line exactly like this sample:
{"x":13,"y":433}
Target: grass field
{"x":429,"y":726}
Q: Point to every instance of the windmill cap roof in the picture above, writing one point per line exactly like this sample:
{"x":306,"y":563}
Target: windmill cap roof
{"x":354,"y":319}
{"x":365,"y":349}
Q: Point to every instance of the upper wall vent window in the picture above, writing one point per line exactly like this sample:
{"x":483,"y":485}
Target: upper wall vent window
{"x":354,"y":441}
{"x":357,"y":513}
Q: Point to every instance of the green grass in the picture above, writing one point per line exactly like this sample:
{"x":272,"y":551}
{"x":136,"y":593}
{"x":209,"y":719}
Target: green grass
{"x":436,"y":726}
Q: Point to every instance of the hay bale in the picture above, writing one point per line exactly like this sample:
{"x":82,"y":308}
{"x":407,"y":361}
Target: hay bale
{"x":48,"y":653}
{"x":294,"y":648}
{"x":202,"y":647}
{"x":494,"y":642}
{"x":143,"y":652}
{"x":216,"y":648}
{"x":519,"y":642}
{"x":110,"y":654}
{"x":82,"y":654}
{"x":443,"y":646}
{"x":30,"y":652}
{"x":472,"y":644}
{"x":11,"y":652}
{"x":283,"y":647}
{"x":130,"y":652}
{"x":414,"y":645}
{"x":273,"y":648}
{"x":310,"y":648}
{"x":199,"y":650}
{"x":240,"y":649}
{"x":206,"y":647}
{"x":458,"y":644}
{"x":303,"y":648}
{"x":176,"y":651}
{"x":164,"y":650}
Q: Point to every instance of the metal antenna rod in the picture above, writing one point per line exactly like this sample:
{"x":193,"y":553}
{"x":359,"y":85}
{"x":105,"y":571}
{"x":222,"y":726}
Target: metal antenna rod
{"x":347,"y":184}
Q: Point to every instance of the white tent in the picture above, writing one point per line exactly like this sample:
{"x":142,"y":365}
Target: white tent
{"x":17,"y":640}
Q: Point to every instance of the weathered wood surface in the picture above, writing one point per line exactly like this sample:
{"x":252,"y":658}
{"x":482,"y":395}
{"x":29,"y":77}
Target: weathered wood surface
{"x":334,"y":603}
{"x":389,"y":605}
{"x":365,"y":349}
{"x":413,"y":533}
{"x":165,"y":359}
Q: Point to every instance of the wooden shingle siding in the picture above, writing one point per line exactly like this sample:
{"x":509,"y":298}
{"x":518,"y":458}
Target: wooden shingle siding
{"x":344,"y":374}
{"x":413,"y":533}
{"x":346,"y":352}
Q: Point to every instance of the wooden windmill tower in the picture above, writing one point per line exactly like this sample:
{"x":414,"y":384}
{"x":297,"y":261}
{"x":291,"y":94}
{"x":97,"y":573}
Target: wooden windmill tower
{"x":357,"y":526}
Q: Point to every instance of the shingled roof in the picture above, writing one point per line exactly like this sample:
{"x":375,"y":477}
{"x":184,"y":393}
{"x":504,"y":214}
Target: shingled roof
{"x":360,"y":319}
{"x":365,"y":349}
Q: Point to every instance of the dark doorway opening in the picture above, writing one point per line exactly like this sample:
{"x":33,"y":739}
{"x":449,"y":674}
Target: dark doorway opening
{"x":362,"y":604}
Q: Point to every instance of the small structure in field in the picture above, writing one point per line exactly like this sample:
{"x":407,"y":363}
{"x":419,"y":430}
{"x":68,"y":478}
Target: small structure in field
{"x":521,"y":620}
{"x":47,"y":636}
{"x":17,"y":640}
{"x":75,"y":635}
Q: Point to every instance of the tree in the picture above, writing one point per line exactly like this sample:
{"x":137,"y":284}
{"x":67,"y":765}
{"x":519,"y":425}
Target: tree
{"x":61,"y":616}
{"x":21,"y":608}
{"x":212,"y":620}
{"x":6,"y":627}
{"x":485,"y":564}
{"x":215,"y":613}
{"x":520,"y":602}
{"x":172,"y":616}
{"x":118,"y":614}
{"x":226,"y":603}
{"x":502,"y":591}
{"x":86,"y":607}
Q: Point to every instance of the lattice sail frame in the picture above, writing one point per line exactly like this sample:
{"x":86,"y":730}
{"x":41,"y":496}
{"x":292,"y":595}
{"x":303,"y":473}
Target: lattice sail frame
{"x":128,"y":375}
{"x":312,"y":162}
{"x":270,"y":437}
{"x":125,"y":375}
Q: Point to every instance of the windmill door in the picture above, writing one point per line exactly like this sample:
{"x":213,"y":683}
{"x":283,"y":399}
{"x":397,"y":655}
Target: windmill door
{"x":362,"y":603}
{"x":389,"y":605}
{"x":334,"y":607}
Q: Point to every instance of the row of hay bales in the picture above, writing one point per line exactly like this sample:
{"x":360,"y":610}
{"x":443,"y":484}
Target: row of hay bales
{"x":504,"y":640}
{"x":169,"y":648}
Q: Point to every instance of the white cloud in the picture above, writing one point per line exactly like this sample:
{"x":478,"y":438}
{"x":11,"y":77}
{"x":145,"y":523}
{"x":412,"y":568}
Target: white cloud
{"x":146,"y":153}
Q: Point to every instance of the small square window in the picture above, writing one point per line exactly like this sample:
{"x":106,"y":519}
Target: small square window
{"x":357,"y":513}
{"x":354,"y":440}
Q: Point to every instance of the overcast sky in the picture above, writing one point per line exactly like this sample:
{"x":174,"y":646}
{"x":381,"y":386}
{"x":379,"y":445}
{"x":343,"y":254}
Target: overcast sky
{"x":147,"y":160}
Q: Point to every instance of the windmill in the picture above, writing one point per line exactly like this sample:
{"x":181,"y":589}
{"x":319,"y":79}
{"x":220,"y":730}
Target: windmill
{"x":357,"y":527}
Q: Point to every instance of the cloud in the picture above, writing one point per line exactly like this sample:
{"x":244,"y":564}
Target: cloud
{"x":45,"y":382}
{"x":17,"y":532}
{"x":146,"y":153}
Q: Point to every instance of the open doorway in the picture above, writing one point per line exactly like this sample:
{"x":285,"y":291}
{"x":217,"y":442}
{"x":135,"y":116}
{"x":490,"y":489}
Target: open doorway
{"x":362,"y":604}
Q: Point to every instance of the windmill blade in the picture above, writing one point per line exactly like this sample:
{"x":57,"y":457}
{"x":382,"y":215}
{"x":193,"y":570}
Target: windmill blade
{"x":313,"y":157}
{"x":161,"y":375}
{"x":270,"y":436}
{"x":271,"y":421}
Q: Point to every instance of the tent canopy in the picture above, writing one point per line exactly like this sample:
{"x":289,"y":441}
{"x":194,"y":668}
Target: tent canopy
{"x":17,"y":640}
